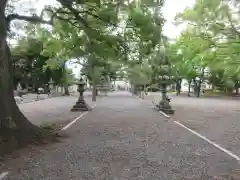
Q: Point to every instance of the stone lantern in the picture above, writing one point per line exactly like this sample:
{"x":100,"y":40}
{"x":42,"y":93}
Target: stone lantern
{"x":164,"y":81}
{"x":81,"y":105}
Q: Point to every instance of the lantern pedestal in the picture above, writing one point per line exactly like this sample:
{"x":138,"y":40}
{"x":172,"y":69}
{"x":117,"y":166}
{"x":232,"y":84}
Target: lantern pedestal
{"x":165,"y":107}
{"x":164,"y":104}
{"x":81,"y":106}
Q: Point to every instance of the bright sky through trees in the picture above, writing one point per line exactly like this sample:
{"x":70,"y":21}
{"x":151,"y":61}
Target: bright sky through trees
{"x":171,"y":8}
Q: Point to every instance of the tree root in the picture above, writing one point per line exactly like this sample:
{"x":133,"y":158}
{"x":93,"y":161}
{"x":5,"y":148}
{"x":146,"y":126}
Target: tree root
{"x":15,"y":139}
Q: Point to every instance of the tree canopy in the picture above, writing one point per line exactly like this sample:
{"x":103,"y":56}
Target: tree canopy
{"x":209,"y":46}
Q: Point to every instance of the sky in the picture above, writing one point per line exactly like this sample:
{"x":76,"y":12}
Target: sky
{"x":171,"y":8}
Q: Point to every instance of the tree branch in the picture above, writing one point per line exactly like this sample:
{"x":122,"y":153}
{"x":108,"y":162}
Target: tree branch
{"x":75,"y":12}
{"x":232,"y":25}
{"x":55,"y":13}
{"x":68,"y":20}
{"x":98,"y":17}
{"x":33,"y":19}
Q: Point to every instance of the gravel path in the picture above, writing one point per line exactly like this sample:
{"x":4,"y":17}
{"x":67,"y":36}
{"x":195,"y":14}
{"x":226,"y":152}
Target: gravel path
{"x":33,"y":97}
{"x":123,"y":138}
{"x":217,"y":119}
{"x":51,"y":110}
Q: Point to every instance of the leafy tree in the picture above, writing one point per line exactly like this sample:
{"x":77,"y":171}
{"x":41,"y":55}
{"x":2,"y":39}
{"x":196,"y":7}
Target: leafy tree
{"x":31,"y":67}
{"x":214,"y":39}
{"x":91,"y":49}
{"x":99,"y":46}
{"x":28,"y":63}
{"x":142,"y":41}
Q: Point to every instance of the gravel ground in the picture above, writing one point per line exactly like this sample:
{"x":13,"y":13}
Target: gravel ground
{"x":123,"y":138}
{"x":51,"y":110}
{"x":31,"y":97}
{"x":217,"y":119}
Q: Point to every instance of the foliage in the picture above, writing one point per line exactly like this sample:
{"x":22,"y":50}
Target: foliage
{"x":97,"y":40}
{"x":143,"y":40}
{"x":30,"y":65}
{"x":107,"y":38}
{"x":210,"y":43}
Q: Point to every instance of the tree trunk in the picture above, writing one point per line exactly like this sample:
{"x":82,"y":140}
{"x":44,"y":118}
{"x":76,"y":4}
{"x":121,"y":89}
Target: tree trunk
{"x":94,"y":85}
{"x":133,"y":89}
{"x":199,"y":83}
{"x":237,"y":85}
{"x":198,"y":90}
{"x":197,"y":87}
{"x":65,"y":85}
{"x":144,"y":91}
{"x":94,"y":91}
{"x":189,"y":87}
{"x":66,"y":90}
{"x":237,"y":90}
{"x":178,"y":86}
{"x":10,"y":115}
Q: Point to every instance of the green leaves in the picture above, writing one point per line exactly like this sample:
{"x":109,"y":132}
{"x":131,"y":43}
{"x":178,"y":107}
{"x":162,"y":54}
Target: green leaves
{"x":146,"y":25}
{"x":108,"y":35}
{"x":210,"y":41}
{"x":140,"y":74}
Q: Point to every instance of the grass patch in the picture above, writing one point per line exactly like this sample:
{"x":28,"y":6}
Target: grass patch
{"x":171,"y":91}
{"x":48,"y":126}
{"x":216,"y":93}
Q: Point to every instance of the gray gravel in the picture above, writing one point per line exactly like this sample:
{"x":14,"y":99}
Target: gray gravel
{"x":122,"y":138}
{"x":31,"y":97}
{"x":51,"y":110}
{"x":217,"y":119}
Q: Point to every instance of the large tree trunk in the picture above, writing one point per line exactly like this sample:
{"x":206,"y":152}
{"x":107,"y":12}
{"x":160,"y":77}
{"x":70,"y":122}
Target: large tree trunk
{"x":6,"y":93}
{"x":10,"y":115}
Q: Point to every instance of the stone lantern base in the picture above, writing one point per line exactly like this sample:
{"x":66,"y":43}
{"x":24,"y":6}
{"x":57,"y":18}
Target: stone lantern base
{"x":81,"y":106}
{"x":165,"y":107}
